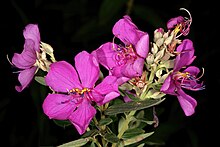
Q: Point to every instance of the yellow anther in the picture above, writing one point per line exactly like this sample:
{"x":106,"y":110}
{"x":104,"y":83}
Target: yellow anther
{"x":77,"y":90}
{"x":129,"y":46}
{"x":177,"y":29}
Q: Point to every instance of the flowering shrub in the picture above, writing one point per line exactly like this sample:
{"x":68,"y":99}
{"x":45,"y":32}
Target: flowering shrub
{"x":110,"y":110}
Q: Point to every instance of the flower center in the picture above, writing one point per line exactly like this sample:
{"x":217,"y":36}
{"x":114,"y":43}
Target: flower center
{"x":188,"y":81}
{"x":125,"y":54}
{"x":79,"y":91}
{"x":181,"y":76}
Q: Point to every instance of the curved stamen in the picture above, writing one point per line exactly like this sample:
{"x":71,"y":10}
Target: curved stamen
{"x":123,"y":54}
{"x":184,"y":31}
{"x":203,"y":71}
{"x":188,"y":81}
{"x":113,"y":42}
{"x":9,"y":60}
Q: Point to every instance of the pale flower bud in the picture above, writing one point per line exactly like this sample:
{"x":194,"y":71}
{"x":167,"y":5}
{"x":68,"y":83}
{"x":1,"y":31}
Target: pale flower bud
{"x":46,"y":48}
{"x":158,"y":33}
{"x":159,"y":55}
{"x":160,"y":42}
{"x":169,"y":39}
{"x":150,"y":59}
{"x":154,"y":49}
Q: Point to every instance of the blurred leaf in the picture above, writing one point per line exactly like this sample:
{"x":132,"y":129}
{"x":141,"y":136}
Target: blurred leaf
{"x":137,"y":138}
{"x":109,"y":9}
{"x":92,"y":144}
{"x":85,"y":31}
{"x":111,"y":137}
{"x":121,"y":124}
{"x":20,"y":11}
{"x":149,"y":15}
{"x":62,"y":123}
{"x":105,"y":121}
{"x":89,"y":31}
{"x":3,"y":104}
{"x":155,"y":143}
{"x":141,"y":145}
{"x":130,"y":133}
{"x":40,"y":80}
{"x":130,"y":106}
{"x":75,"y":143}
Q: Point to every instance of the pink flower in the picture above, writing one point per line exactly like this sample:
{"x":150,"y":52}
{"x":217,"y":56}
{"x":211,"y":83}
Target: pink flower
{"x":76,"y":91}
{"x":186,"y":79}
{"x":124,"y":61}
{"x":180,"y":24}
{"x":27,"y":59}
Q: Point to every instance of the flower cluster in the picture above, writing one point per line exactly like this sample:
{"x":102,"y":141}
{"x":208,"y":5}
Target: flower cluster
{"x":141,"y":72}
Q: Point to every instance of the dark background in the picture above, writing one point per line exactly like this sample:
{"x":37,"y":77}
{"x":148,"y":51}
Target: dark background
{"x":70,"y":26}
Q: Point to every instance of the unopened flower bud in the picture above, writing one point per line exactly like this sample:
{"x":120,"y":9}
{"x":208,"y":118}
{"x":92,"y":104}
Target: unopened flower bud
{"x":158,"y":33}
{"x":160,"y":42}
{"x":46,"y":48}
{"x":150,"y":59}
{"x":159,"y":55}
{"x":154,"y":49}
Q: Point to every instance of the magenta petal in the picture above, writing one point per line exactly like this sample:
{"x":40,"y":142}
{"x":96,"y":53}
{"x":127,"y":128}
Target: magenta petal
{"x":193,"y":70}
{"x":97,"y":97}
{"x":187,"y":103}
{"x":174,"y":21}
{"x":108,"y":88}
{"x":122,"y":80}
{"x":88,"y":69}
{"x":138,"y":66}
{"x":107,"y":85}
{"x":108,"y":97}
{"x":105,"y":55}
{"x":117,"y":71}
{"x":58,"y":106}
{"x":127,"y":31}
{"x":142,"y":46}
{"x":168,"y":86}
{"x":134,"y":69}
{"x":31,"y":31}
{"x":62,"y":77}
{"x":25,"y":77}
{"x":82,"y":116}
{"x":127,"y":99}
{"x":186,"y":56}
{"x":27,"y":58}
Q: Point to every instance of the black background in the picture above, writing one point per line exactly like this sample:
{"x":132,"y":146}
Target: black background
{"x":70,"y":26}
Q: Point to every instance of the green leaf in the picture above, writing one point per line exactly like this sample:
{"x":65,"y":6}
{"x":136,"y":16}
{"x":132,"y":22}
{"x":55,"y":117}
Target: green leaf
{"x":109,"y":9}
{"x":92,"y":144}
{"x":130,"y":133}
{"x":144,"y":120}
{"x":62,"y":123}
{"x":111,"y":137}
{"x":137,"y":138}
{"x":105,"y":121}
{"x":75,"y":143}
{"x":130,"y":106}
{"x":40,"y":80}
{"x":90,"y":133}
